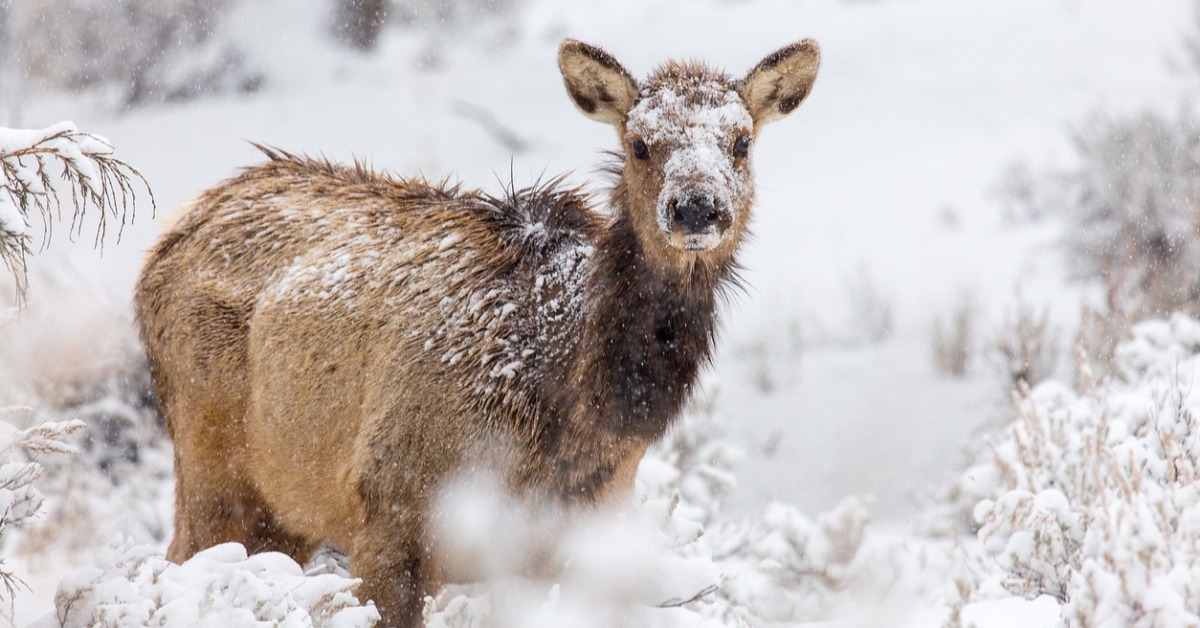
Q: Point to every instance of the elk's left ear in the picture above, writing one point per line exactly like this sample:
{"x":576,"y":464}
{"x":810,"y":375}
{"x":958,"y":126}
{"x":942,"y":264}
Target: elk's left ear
{"x":601,"y":88}
{"x":781,"y":81}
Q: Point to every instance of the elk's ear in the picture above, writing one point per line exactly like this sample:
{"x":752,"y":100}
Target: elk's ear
{"x":600,"y":87}
{"x":781,"y":81}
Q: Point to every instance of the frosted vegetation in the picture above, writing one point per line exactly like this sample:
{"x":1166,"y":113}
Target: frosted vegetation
{"x":20,"y":449}
{"x":47,"y":168}
{"x":1081,"y":493}
{"x":1090,"y":494}
{"x":133,"y":585}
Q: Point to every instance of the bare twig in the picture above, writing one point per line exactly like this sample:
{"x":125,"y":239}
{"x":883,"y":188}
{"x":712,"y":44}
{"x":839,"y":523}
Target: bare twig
{"x":675,"y":602}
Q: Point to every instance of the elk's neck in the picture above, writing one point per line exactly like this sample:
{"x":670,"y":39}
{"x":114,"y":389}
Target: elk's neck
{"x":649,"y":331}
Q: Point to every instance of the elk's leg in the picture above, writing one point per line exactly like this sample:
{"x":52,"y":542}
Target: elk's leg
{"x":214,"y":505}
{"x":391,"y":558}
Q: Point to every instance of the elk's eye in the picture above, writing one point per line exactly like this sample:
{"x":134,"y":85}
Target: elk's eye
{"x":640,"y":150}
{"x":741,"y":146}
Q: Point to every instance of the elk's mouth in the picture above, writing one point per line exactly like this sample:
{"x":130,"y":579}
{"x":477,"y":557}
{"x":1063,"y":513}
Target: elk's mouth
{"x":695,"y":242}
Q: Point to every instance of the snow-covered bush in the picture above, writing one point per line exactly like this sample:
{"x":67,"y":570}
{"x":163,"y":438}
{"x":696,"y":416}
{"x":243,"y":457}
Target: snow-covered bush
{"x":118,"y":479}
{"x":140,"y":51}
{"x":647,"y":566}
{"x":41,"y":170}
{"x":674,"y":557}
{"x":1133,"y":212}
{"x":44,"y":169}
{"x":644,"y":568}
{"x":1132,"y":218}
{"x":133,"y":585}
{"x":787,"y":567}
{"x":121,"y":482}
{"x":1092,"y":494}
{"x":20,"y":456}
{"x":695,"y":460}
{"x":75,"y":355}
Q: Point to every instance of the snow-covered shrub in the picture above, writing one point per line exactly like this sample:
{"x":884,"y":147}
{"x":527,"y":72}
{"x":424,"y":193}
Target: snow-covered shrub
{"x":78,"y":506}
{"x":1092,"y":494}
{"x":122,"y":487}
{"x":780,"y":566}
{"x":1096,"y":339}
{"x":1131,"y":217}
{"x":788,"y":567}
{"x":141,"y":51}
{"x":644,"y":568}
{"x":133,"y":585}
{"x":674,"y":557}
{"x":88,"y":365}
{"x":125,"y":464}
{"x":1131,"y":204}
{"x":647,"y":566}
{"x":1035,"y":539}
{"x":20,"y":466}
{"x":44,"y":169}
{"x":694,"y":460}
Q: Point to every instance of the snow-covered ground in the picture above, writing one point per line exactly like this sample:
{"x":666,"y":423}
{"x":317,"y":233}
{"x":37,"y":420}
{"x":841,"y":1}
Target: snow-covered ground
{"x":876,"y":205}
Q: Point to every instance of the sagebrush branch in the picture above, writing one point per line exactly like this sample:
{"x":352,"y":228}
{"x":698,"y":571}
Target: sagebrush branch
{"x":20,"y":500}
{"x":41,"y":170}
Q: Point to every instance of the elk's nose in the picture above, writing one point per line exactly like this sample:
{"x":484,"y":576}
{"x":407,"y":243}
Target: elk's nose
{"x":695,"y":215}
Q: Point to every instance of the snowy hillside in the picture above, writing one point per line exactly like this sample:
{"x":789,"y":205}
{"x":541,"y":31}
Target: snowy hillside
{"x":838,"y":472}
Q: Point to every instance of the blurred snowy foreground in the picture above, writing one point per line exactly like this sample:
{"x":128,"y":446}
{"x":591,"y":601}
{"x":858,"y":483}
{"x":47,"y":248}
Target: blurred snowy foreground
{"x":785,"y":497}
{"x":1090,"y":499}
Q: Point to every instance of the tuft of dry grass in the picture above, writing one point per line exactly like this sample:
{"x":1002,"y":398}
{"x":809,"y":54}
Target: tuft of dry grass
{"x":1026,"y":346}
{"x":954,"y":337}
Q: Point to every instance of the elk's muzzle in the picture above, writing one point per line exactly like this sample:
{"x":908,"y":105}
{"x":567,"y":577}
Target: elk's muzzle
{"x":696,"y":223}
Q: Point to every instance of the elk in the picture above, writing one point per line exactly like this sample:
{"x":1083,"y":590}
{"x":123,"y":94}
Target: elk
{"x":331,"y":344}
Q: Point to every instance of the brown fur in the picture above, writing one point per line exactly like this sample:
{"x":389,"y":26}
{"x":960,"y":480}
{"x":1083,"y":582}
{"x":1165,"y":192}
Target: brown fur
{"x":331,"y":345}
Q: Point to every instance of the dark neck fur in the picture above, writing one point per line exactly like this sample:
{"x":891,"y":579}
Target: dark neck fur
{"x":645,"y":333}
{"x":649,"y":332}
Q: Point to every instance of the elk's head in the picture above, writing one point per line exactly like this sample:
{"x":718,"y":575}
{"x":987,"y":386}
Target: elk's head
{"x":687,"y":134}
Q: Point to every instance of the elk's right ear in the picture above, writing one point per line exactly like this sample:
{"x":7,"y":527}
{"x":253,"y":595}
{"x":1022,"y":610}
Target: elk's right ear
{"x":601,"y":88}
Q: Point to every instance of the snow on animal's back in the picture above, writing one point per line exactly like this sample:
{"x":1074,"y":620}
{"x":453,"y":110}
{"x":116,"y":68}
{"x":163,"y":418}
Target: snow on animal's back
{"x":486,"y":287}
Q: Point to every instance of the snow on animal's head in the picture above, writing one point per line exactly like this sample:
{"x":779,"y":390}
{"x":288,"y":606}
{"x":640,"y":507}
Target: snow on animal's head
{"x":687,"y":134}
{"x":688,"y":139}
